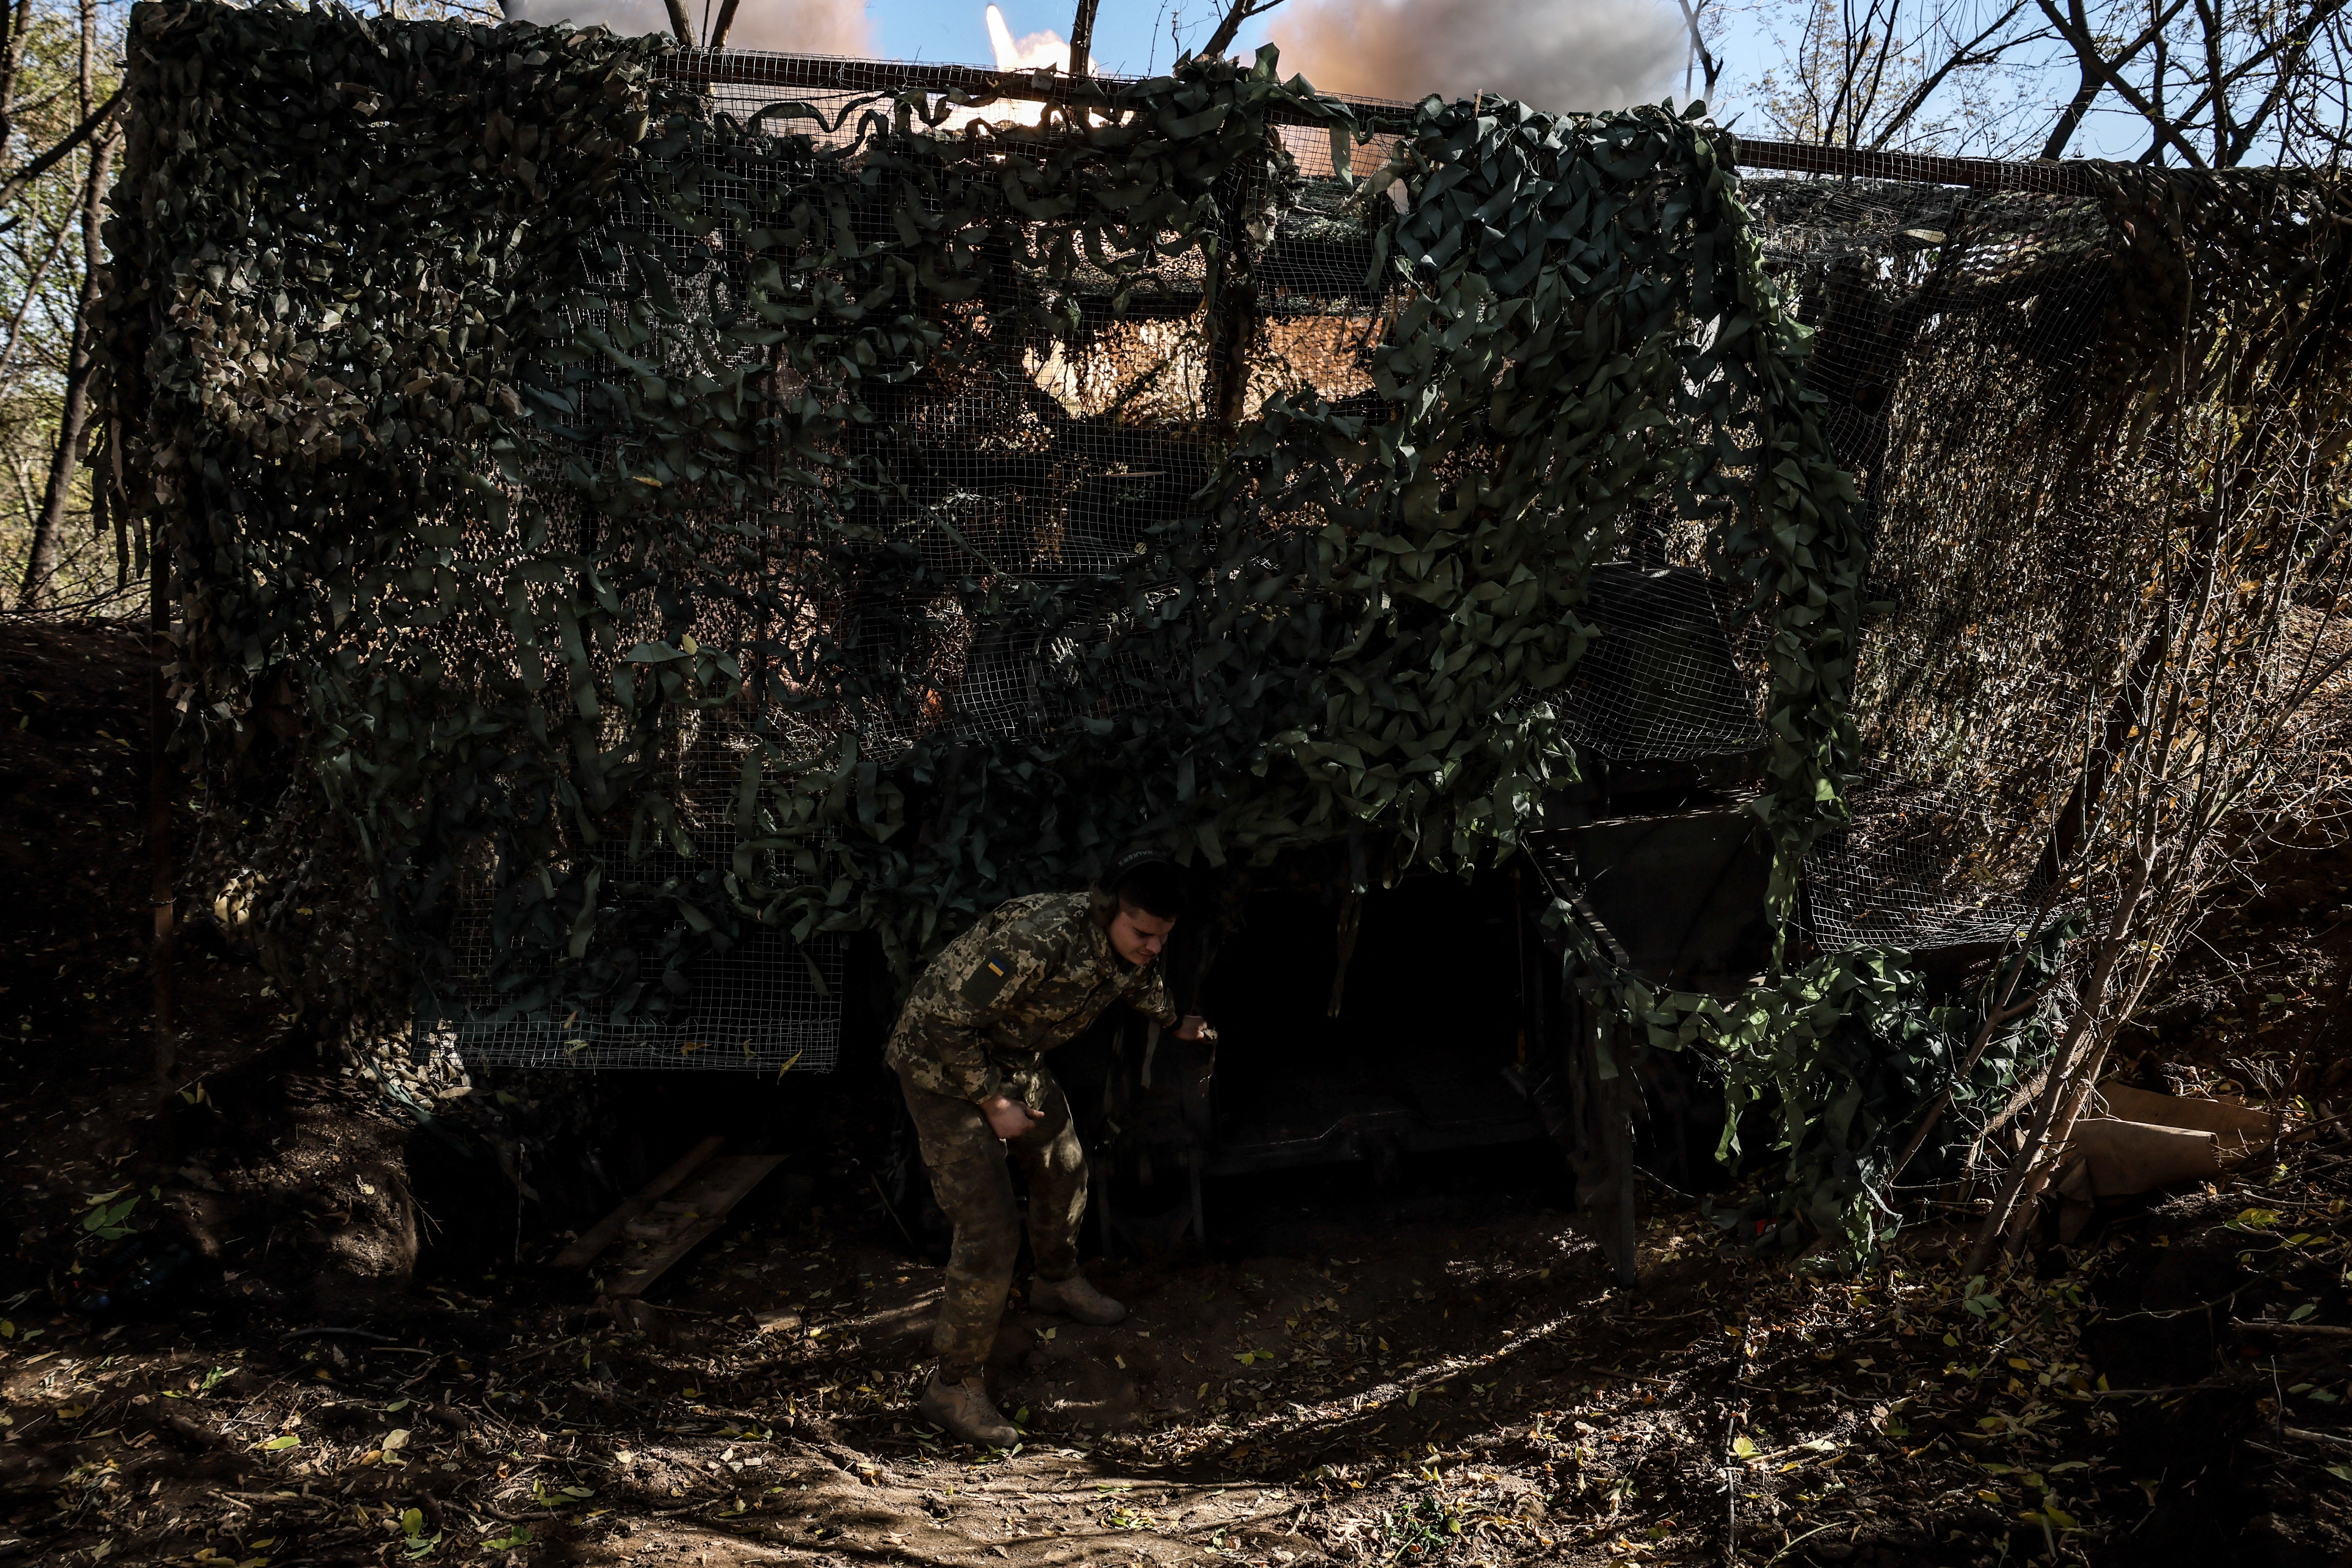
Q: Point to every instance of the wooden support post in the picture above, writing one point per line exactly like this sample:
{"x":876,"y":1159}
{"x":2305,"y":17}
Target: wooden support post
{"x":1613,"y":1202}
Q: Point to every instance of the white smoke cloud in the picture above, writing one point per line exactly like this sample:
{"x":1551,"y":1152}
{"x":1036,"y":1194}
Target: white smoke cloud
{"x":1048,"y":50}
{"x":1558,"y":55}
{"x":793,"y":27}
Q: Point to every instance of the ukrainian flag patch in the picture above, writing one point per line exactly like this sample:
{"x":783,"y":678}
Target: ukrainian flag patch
{"x":988,"y":979}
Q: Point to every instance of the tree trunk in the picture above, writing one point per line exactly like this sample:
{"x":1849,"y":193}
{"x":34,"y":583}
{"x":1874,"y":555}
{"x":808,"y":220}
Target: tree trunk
{"x":719,"y":29}
{"x":1229,"y":26}
{"x":1081,"y":37}
{"x":11,"y":63}
{"x":41,"y":564}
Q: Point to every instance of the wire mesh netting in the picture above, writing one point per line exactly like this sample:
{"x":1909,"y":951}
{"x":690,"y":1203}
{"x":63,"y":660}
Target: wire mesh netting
{"x":772,"y":1004}
{"x":1024,"y":479}
{"x":1952,"y":327}
{"x":1661,"y":682}
{"x":1026,"y":474}
{"x":1051,"y":458}
{"x":1955,"y":331}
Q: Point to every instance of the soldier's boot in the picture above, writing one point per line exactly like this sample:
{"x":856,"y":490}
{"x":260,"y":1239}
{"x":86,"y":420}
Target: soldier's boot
{"x":963,"y":1409}
{"x":1075,"y":1298}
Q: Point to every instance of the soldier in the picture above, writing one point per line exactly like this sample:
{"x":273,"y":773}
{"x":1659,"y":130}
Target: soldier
{"x":968,"y":1049}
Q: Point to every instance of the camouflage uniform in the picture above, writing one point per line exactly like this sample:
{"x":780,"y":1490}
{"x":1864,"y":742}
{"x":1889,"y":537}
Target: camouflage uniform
{"x":1032,"y":976}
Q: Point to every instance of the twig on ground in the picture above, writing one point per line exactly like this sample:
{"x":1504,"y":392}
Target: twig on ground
{"x":2304,"y":1434}
{"x":328,"y":1333}
{"x":2325,"y":1330}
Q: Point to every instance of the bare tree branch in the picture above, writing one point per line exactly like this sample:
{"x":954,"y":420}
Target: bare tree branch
{"x":14,"y":186}
{"x":726,"y":20}
{"x":1229,"y":27}
{"x":41,"y":560}
{"x":2215,"y":77}
{"x":2281,"y":80}
{"x":34,"y":277}
{"x":2090,"y":83}
{"x":2286,"y":50}
{"x":2086,"y":51}
{"x":1964,"y":56}
{"x":1887,"y":48}
{"x":2070,"y":118}
{"x":12,"y":64}
{"x":1710,"y":68}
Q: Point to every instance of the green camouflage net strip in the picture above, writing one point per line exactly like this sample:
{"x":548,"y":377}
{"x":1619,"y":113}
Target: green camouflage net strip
{"x":1846,"y":1054}
{"x":490,"y":411}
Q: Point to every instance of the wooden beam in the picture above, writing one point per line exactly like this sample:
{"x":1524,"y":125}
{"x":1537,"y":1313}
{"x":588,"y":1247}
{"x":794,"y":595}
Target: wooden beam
{"x":745,"y":67}
{"x":607,"y":1231}
{"x":2048,"y":177}
{"x":677,"y":1225}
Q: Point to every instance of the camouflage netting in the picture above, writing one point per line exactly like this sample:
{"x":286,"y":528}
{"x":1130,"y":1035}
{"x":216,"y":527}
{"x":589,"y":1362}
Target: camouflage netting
{"x":667,"y":527}
{"x":2020,"y":382}
{"x":677,"y":529}
{"x":2092,"y":435}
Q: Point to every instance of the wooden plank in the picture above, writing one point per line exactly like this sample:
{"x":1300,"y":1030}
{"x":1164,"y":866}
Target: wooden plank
{"x":605,"y":1231}
{"x":698,"y":1207}
{"x":2070,"y":177}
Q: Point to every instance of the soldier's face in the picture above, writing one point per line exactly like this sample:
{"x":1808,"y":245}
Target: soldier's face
{"x":1138,"y":935}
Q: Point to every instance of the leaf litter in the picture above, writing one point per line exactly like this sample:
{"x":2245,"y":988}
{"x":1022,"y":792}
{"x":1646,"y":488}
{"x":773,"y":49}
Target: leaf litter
{"x":1455,"y":1385}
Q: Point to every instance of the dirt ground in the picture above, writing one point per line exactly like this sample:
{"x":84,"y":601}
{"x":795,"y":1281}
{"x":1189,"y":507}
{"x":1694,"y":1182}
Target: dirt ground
{"x":1434,"y":1372}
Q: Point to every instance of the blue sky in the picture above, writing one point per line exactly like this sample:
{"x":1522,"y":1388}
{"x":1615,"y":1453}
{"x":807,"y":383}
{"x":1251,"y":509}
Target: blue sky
{"x":1131,"y":35}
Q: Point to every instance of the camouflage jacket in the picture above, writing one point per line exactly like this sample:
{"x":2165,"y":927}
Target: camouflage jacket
{"x":1030,"y":976}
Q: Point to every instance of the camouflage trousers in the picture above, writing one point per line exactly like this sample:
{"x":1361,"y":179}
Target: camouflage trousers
{"x":974,"y":1189}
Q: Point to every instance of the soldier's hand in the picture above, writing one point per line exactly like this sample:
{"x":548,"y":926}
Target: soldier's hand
{"x":1007,"y":1117}
{"x":1195,"y":1028}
